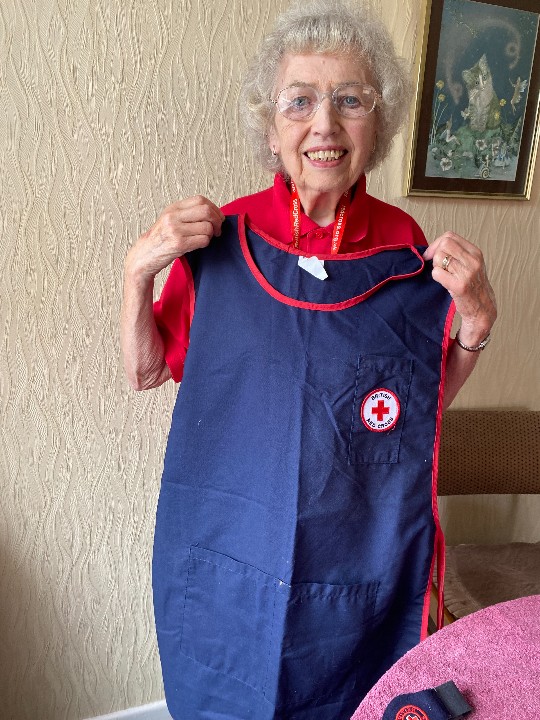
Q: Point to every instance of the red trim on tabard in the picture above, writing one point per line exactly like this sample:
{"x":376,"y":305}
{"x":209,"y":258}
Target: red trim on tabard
{"x":191,"y":287}
{"x":174,"y":324}
{"x":288,"y":248}
{"x":328,"y":307}
{"x":385,"y":410}
{"x":439,"y":545}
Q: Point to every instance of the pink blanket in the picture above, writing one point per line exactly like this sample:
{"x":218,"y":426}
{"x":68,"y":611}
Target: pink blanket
{"x":493,"y":656}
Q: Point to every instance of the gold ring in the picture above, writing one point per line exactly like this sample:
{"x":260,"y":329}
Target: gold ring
{"x":446,"y":262}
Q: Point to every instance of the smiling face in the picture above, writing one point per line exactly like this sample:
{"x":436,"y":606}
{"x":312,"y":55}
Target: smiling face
{"x":326,"y":154}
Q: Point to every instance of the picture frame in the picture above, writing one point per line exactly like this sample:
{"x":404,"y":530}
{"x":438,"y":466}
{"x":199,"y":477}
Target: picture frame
{"x":476,"y":117}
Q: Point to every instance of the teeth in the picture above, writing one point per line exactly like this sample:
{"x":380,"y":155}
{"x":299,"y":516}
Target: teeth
{"x":325,"y":154}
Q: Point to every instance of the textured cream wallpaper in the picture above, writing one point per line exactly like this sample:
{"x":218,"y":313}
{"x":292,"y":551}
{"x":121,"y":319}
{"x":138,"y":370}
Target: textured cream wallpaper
{"x":109,"y":110}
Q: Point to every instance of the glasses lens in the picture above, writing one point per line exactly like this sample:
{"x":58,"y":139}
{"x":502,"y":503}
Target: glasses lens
{"x":354,"y":100}
{"x":297,"y":102}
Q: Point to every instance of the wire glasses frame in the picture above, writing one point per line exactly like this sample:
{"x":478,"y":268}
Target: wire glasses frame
{"x":350,"y":100}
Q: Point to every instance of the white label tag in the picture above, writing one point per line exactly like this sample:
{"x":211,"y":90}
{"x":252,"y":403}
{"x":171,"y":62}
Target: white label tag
{"x":314,"y":266}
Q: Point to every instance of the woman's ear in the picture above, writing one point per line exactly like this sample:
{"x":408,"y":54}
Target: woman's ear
{"x":273,"y":141}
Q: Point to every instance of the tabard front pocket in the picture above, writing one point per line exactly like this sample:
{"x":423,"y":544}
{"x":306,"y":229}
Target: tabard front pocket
{"x":294,"y":644}
{"x":228,"y":617}
{"x":379,"y":409}
{"x":327,"y":643}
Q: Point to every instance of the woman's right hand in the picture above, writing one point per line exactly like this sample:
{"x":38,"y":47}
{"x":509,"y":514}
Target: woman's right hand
{"x":183,"y":226}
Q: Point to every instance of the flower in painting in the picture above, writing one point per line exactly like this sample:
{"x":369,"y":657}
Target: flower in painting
{"x":446,"y":164}
{"x":502,"y":102}
{"x":441,"y":97}
{"x":481,"y":144}
{"x":440,"y":84}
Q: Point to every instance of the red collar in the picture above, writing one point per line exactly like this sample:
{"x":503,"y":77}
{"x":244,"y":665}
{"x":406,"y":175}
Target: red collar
{"x":357,"y":225}
{"x":371,"y":223}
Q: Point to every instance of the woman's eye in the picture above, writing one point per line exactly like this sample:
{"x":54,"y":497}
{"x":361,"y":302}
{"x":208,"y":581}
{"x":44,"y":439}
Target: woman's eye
{"x":300,"y":102}
{"x":350,"y":101}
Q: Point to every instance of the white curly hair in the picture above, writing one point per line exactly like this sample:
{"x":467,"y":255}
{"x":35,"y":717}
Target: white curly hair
{"x":326,"y":27}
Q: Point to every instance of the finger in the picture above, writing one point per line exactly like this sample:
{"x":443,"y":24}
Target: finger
{"x":449,"y":243}
{"x":463,"y":251}
{"x":197,"y":241}
{"x":158,"y":251}
{"x":433,"y":247}
{"x":446,"y":279}
{"x":457,"y":246}
{"x":204,"y":228}
{"x":195,"y":201}
{"x":431,"y":250}
{"x":439,"y":255}
{"x":463,"y":260}
{"x":199,"y":213}
{"x":468,"y":289}
{"x":448,"y":263}
{"x":176,"y":238}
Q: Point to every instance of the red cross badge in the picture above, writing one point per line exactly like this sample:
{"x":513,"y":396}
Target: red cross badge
{"x":380,"y":410}
{"x":411,"y":712}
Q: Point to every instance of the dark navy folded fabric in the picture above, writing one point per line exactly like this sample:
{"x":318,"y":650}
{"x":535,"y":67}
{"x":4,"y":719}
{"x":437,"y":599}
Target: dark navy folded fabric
{"x":444,"y":702}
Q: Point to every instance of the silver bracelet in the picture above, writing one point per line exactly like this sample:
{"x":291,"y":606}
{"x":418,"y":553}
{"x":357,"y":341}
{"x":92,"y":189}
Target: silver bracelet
{"x":473,"y":348}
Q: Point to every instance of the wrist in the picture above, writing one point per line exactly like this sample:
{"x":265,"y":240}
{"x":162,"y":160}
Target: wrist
{"x":477,"y":347}
{"x":137,"y":277}
{"x":473,"y":333}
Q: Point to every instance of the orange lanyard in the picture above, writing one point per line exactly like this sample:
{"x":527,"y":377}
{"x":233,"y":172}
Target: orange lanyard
{"x":339,"y":223}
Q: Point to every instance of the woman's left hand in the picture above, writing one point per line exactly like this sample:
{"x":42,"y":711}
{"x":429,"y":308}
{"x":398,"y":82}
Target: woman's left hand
{"x":459,"y":266}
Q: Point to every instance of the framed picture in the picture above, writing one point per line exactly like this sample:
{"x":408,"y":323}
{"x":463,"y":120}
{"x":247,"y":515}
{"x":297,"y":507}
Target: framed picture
{"x":477,"y":107}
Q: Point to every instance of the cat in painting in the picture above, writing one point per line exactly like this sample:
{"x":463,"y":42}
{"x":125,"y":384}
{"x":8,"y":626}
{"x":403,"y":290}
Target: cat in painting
{"x":483,"y":111}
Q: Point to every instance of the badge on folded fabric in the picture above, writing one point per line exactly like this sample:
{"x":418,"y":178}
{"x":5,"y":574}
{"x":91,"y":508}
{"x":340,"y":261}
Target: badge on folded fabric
{"x":444,"y":702}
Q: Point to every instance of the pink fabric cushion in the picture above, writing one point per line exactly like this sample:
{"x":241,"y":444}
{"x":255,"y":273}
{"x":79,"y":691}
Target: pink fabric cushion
{"x":493,"y":656}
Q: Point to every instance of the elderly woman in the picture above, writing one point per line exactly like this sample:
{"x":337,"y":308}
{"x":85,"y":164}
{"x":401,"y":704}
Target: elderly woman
{"x":295,"y":534}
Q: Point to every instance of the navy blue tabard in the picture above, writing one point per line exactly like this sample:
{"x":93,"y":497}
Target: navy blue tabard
{"x":295,"y":531}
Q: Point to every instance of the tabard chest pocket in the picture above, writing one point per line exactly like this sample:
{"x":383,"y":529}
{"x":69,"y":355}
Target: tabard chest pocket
{"x":379,"y":409}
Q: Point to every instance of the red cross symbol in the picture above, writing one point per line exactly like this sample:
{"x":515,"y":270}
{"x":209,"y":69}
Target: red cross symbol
{"x":410,"y":712}
{"x":380,"y":411}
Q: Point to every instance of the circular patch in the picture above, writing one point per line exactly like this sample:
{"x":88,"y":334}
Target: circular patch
{"x":411,"y":712}
{"x":380,"y":410}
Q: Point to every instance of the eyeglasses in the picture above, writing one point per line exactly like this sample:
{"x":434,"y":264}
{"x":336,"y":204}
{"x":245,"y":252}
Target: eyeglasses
{"x":301,"y":102}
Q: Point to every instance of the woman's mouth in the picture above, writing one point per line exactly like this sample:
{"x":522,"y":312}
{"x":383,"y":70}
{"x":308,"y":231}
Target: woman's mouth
{"x":325,"y":155}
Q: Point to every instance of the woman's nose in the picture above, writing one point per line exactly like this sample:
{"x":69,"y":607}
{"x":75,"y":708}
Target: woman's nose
{"x":325,"y":121}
